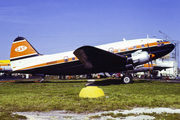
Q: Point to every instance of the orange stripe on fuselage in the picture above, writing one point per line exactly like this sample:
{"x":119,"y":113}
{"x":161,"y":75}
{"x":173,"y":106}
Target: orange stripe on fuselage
{"x":139,"y":47}
{"x":131,"y":48}
{"x":152,"y":44}
{"x":166,"y":42}
{"x":28,"y":51}
{"x":50,"y":63}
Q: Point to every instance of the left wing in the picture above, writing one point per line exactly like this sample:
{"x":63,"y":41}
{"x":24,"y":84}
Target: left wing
{"x":95,"y":58}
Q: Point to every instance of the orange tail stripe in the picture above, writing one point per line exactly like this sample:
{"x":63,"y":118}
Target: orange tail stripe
{"x":18,"y":46}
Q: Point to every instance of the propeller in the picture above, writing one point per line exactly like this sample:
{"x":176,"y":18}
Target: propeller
{"x":151,"y":56}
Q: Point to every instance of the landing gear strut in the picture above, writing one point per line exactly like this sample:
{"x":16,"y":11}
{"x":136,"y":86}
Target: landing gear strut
{"x":126,"y":79}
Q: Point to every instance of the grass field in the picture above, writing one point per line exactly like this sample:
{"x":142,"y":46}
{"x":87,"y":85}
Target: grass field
{"x":63,"y":95}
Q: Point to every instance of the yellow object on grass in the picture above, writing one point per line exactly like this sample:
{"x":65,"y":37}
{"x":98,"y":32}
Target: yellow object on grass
{"x":91,"y":92}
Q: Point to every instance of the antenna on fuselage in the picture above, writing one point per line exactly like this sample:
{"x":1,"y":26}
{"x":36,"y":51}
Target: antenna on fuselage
{"x":124,"y":39}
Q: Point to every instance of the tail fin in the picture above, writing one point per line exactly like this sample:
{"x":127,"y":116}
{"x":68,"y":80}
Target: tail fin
{"x":21,"y":49}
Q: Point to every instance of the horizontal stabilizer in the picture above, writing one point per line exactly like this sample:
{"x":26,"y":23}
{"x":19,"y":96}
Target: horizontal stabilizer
{"x":95,"y":58}
{"x":162,"y":67}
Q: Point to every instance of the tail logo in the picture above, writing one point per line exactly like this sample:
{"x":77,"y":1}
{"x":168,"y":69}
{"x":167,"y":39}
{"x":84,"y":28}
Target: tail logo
{"x":21,"y":48}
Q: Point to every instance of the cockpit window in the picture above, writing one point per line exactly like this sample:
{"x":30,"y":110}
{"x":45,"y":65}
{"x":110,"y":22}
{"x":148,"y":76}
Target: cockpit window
{"x":165,"y":41}
{"x":158,"y":41}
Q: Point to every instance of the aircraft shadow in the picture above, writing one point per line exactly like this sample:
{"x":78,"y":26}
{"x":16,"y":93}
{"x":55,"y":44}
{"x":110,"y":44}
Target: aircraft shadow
{"x":8,"y":78}
{"x":48,"y":81}
{"x":105,"y":82}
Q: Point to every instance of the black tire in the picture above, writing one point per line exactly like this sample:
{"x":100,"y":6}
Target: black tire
{"x":126,"y":79}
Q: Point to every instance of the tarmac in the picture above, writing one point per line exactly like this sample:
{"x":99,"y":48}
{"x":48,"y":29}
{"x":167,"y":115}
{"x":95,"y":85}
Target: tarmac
{"x":64,"y":115}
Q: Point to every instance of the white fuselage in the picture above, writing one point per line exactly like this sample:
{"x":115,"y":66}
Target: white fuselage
{"x":60,"y":58}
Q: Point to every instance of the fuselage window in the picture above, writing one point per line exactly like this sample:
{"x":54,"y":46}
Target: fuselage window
{"x":119,"y":50}
{"x":111,"y":50}
{"x":73,"y":58}
{"x":157,"y":41}
{"x":127,"y":48}
{"x":66,"y":59}
{"x":142,"y":45}
{"x":134,"y":47}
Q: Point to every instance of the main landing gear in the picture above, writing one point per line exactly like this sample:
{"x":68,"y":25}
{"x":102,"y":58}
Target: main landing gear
{"x":127,"y":78}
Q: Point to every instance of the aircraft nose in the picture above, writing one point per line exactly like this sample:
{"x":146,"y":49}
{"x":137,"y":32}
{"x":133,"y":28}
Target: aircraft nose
{"x":172,"y":46}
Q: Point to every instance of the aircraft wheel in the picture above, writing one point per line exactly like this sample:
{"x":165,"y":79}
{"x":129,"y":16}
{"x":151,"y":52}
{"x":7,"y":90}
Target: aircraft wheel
{"x":127,"y":79}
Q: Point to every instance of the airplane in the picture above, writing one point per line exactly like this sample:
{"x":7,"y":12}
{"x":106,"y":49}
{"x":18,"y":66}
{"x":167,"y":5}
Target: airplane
{"x":5,"y":66}
{"x":113,"y":57}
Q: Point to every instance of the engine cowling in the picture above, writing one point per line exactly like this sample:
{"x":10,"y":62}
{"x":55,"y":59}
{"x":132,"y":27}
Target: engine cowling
{"x":138,"y":57}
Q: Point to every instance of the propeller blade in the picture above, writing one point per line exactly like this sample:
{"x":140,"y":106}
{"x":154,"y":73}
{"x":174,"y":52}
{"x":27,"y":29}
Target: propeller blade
{"x":151,"y":56}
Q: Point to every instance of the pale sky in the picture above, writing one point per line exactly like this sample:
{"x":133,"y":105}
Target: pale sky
{"x":54,"y":26}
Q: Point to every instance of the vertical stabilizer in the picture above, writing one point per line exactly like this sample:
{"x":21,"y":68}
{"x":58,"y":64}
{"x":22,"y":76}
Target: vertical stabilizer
{"x":21,"y":52}
{"x":21,"y":49}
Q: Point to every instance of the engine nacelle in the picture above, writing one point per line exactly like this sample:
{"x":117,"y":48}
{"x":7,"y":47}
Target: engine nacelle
{"x":140,"y":68}
{"x":138,"y":57}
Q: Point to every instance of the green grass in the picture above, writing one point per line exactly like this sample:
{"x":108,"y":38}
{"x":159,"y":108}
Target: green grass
{"x":63,"y":95}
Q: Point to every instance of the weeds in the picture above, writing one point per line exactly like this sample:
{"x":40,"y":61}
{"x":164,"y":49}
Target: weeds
{"x":10,"y":116}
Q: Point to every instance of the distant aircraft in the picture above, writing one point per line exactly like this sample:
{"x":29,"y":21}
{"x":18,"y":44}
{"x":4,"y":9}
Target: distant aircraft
{"x":5,"y":66}
{"x":142,"y":68}
{"x":113,"y":57}
{"x":150,"y":67}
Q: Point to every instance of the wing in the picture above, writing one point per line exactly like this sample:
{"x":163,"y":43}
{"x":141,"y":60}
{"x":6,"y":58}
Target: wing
{"x":161,"y":67}
{"x":95,"y":58}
